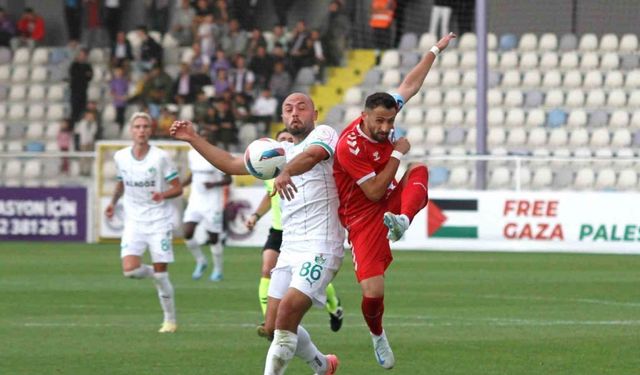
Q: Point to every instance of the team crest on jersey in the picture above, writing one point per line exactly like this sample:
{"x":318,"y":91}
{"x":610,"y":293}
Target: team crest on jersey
{"x":320,"y":260}
{"x":152,"y":171}
{"x":376,"y":156}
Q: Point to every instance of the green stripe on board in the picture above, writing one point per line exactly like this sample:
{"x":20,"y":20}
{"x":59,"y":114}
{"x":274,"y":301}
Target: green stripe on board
{"x":456,"y":204}
{"x":456,"y":232}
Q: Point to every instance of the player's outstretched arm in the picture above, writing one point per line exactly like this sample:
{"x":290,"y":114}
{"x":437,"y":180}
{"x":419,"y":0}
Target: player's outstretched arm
{"x":219,"y":158}
{"x":415,"y":78}
{"x":302,"y":163}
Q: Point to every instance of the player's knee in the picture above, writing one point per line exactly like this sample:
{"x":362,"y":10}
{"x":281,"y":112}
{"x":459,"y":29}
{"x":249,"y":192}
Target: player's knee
{"x":420,"y":171}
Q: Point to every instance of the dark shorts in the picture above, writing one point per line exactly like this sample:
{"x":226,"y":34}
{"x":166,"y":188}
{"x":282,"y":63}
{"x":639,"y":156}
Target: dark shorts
{"x":274,"y":241}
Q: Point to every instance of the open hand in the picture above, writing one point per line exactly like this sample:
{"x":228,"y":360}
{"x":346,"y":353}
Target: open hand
{"x":444,"y":42}
{"x":182,"y":130}
{"x":284,"y":186}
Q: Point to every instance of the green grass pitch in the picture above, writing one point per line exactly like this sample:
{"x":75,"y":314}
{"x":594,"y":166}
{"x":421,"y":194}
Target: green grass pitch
{"x":66,"y":309}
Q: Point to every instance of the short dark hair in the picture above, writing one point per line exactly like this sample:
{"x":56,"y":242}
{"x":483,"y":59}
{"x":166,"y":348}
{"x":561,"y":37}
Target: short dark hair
{"x":380,"y":99}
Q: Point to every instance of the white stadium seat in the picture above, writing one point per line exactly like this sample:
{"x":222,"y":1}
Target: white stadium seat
{"x":454,"y":116}
{"x":434,"y":116}
{"x":610,"y":61}
{"x":509,"y":60}
{"x":537,"y":137}
{"x":515,"y":117}
{"x":569,"y":60}
{"x":619,"y":119}
{"x":499,"y":178}
{"x":585,"y":179}
{"x":390,"y":59}
{"x":589,"y":61}
{"x":452,"y":98}
{"x":572,"y":79}
{"x":542,"y":178}
{"x":548,"y":42}
{"x":435,"y":135}
{"x":432,"y":98}
{"x":578,"y":137}
{"x":577,"y":118}
{"x":609,"y":42}
{"x":614,"y":79}
{"x":600,"y":138}
{"x":549,"y":60}
{"x":552,"y":79}
{"x":535,"y":117}
{"x":558,"y":137}
{"x":588,"y":42}
{"x":621,"y":138}
{"x":528,"y":42}
{"x":449,"y":60}
{"x":605,"y":179}
{"x":627,"y":179}
{"x":391,"y":78}
{"x":617,"y":98}
{"x":629,"y":43}
{"x":532,"y":79}
{"x":592,"y":79}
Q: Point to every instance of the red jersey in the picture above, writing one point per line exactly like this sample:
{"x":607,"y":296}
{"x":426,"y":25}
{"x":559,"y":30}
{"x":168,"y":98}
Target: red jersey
{"x":357,"y":159}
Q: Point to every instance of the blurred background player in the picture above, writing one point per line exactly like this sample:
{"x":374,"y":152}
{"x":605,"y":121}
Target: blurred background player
{"x":271,"y":250}
{"x":372,"y":203}
{"x":206,"y":207}
{"x":147,"y":178}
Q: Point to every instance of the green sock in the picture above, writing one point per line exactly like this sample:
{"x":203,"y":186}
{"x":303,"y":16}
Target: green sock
{"x":332,"y":299}
{"x":263,"y":291}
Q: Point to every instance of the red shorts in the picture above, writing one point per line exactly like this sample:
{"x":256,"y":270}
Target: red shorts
{"x":369,"y":244}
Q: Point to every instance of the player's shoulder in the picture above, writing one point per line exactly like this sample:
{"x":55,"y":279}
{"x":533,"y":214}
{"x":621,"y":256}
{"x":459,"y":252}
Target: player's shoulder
{"x":123,"y":153}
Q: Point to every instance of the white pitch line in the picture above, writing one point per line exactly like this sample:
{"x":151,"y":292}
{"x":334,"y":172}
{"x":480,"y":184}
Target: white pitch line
{"x":537,"y":298}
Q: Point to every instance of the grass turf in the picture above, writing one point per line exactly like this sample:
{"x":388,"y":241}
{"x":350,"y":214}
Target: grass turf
{"x":66,"y":309}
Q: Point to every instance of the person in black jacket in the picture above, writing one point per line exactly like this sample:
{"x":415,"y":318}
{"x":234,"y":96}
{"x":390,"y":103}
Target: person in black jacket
{"x":150,"y":50}
{"x":80,"y":74}
{"x":121,"y":51}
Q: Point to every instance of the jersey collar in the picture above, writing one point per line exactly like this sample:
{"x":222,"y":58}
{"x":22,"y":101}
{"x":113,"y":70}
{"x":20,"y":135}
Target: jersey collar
{"x":364,"y":135}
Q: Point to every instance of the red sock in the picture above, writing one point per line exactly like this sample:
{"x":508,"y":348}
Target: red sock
{"x":414,"y":194}
{"x":372,"y":310}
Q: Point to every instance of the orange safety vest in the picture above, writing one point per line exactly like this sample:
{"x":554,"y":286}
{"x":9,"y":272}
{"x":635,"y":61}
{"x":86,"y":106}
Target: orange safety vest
{"x":382,"y":12}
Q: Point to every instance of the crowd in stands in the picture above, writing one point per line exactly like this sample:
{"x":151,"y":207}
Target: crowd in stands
{"x":228,"y":71}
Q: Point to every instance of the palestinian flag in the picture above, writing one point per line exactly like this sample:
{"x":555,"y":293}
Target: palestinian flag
{"x":452,"y":218}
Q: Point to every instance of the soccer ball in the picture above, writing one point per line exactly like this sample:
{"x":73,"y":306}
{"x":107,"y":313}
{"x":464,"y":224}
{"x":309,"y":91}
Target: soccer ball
{"x":264,"y":158}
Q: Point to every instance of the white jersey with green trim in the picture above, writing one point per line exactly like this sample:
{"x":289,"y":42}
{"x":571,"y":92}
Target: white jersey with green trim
{"x":313,"y":213}
{"x":202,"y":172}
{"x":141,"y":178}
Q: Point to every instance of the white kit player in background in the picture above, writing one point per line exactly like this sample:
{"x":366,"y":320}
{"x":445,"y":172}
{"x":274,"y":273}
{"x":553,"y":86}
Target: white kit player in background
{"x":147,"y":178}
{"x":312,"y":247}
{"x":205,"y":207}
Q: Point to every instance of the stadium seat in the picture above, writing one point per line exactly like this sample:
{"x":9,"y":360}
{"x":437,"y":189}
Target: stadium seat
{"x":556,"y":118}
{"x":515,"y":117}
{"x":513,"y":98}
{"x":414,"y":116}
{"x":470,"y":140}
{"x":535,"y":117}
{"x":390,"y":59}
{"x":598,"y":118}
{"x":577,"y":118}
{"x":569,"y":61}
{"x":508,"y":42}
{"x":542,"y":178}
{"x":552,"y":79}
{"x":495,"y":116}
{"x":581,"y":157}
{"x":592,"y":79}
{"x":629,"y":43}
{"x":438,"y":176}
{"x":51,"y":130}
{"x":15,"y":145}
{"x":56,"y":92}
{"x":509,"y":60}
{"x":20,"y":74}
{"x":351,"y":113}
{"x":36,"y":112}
{"x":353,"y":96}
{"x":528,"y":60}
{"x":494,"y":78}
{"x":629,"y":62}
{"x":634,"y":99}
{"x":609,"y":43}
{"x":568,"y":42}
{"x":537,"y":137}
{"x":450,"y":78}
{"x":492,"y":60}
{"x":409,"y":59}
{"x":634,"y":123}
{"x":554,"y":98}
{"x":468,"y":42}
{"x":578,"y":137}
{"x":621,"y":138}
{"x":617,"y":98}
{"x":454,"y":117}
{"x":496,"y":136}
{"x":557,"y":137}
{"x":391,"y":78}
{"x":517,"y":137}
{"x":17,"y":111}
{"x":589,"y":61}
{"x":549,"y":60}
{"x":433,"y":79}
{"x":12,"y":169}
{"x":21,"y":56}
{"x":588,"y":42}
{"x":500,"y":178}
{"x":469,"y":61}
{"x":610,"y":61}
{"x":434,"y":116}
{"x":470,"y":118}
{"x":459,"y":177}
{"x":572,"y":79}
{"x":247,"y":133}
{"x":435,"y":135}
{"x":17,"y":92}
{"x":575,"y":98}
{"x":469,"y":78}
{"x":533,"y":99}
{"x":595,"y":98}
{"x":415,"y":135}
{"x":540,"y":155}
{"x":373,"y":77}
{"x":494,"y":98}
{"x":449,"y":60}
{"x":408,"y":42}
{"x":619,"y":119}
{"x":627,"y":179}
{"x":613,"y":79}
{"x":528,"y":42}
{"x":52,"y":146}
{"x":455,"y":136}
{"x":37,"y":93}
{"x":32,"y":169}
{"x":548,"y":42}
{"x":585,"y":179}
{"x":492,"y":42}
{"x":470,"y":98}
{"x":426,"y":41}
{"x":601,"y":138}
{"x":563,"y":179}
{"x":432,"y":97}
{"x":625,"y":158}
{"x":532,"y":79}
{"x":511,"y":78}
{"x":5,"y":55}
{"x":452,"y":98}
{"x":57,"y":111}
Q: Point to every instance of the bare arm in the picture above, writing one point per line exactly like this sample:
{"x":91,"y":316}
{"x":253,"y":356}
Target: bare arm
{"x":302,"y":163}
{"x":174,"y":191}
{"x":376,"y":187}
{"x":219,"y":158}
{"x":415,"y":78}
{"x":110,"y":210}
{"x":263,"y":208}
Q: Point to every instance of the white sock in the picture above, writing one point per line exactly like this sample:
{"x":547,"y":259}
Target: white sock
{"x":217,"y":252}
{"x":141,"y":272}
{"x":281,"y":351}
{"x":165,"y":295}
{"x":196,"y":251}
{"x":308,"y":352}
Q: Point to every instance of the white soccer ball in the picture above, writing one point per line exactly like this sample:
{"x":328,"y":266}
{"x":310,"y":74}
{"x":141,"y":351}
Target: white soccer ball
{"x":264,"y":158}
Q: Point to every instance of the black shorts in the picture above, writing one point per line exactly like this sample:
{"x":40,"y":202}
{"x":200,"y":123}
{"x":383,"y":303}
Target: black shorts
{"x":274,"y":241}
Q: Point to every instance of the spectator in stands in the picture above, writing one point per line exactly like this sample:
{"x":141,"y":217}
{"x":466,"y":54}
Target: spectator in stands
{"x":220,"y":62}
{"x":30,"y":29}
{"x":279,"y":38}
{"x":233,"y":40}
{"x":210,"y":126}
{"x":256,"y":40}
{"x":440,"y":16}
{"x":221,"y":83}
{"x":80,"y":74}
{"x":207,"y":34}
{"x":264,"y":110}
{"x":119,"y":87}
{"x":242,"y":79}
{"x":380,"y":20}
{"x":228,"y":133}
{"x":200,"y":61}
{"x":65,"y":142}
{"x":182,"y":18}
{"x":7,"y":29}
{"x":221,"y":12}
{"x":158,"y":14}
{"x":317,"y":58}
{"x":280,"y":83}
{"x":112,"y":16}
{"x":184,"y":87}
{"x":297,"y":39}
{"x":94,"y":25}
{"x":262,"y":66}
{"x":85,"y":132}
{"x":150,"y":50}
{"x":73,"y":16}
{"x":335,"y":33}
{"x":157,"y":90}
{"x":121,"y":51}
{"x":200,"y":107}
{"x":241,"y":107}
